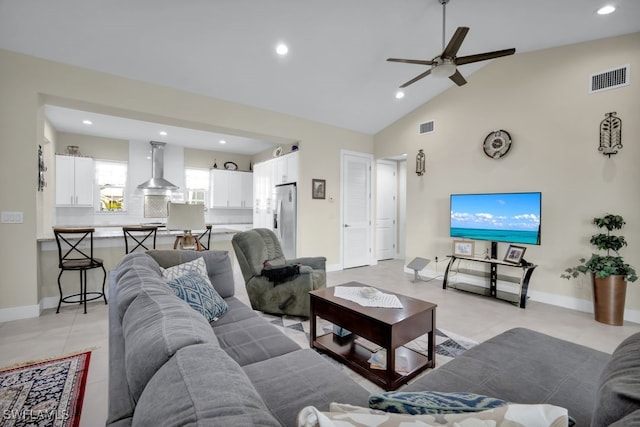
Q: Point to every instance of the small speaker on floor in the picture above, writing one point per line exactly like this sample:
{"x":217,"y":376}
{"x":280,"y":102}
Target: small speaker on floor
{"x":416,"y":265}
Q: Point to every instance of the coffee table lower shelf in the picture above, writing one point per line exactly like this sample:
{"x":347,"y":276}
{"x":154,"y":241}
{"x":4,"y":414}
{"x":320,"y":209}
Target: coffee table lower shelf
{"x":353,"y":355}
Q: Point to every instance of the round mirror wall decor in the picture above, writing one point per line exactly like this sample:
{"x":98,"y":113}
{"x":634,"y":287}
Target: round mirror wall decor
{"x":497,"y":144}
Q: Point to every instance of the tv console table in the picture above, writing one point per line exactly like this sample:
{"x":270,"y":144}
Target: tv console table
{"x":527,"y":270}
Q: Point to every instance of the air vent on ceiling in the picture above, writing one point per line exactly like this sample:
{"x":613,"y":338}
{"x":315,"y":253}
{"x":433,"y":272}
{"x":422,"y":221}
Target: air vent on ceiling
{"x":426,"y":127}
{"x":609,"y":79}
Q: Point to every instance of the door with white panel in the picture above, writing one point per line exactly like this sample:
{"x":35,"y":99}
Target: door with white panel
{"x":356,"y":209}
{"x":386,"y":202}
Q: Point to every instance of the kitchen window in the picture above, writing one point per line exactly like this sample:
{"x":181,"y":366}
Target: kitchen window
{"x":196,"y":185}
{"x":111,"y":183}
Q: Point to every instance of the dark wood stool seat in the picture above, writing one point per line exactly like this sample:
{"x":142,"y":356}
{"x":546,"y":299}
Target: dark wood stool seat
{"x":139,"y":234}
{"x":73,"y":256}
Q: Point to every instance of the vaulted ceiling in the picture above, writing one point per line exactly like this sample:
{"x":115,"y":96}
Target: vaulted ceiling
{"x":335,"y":71}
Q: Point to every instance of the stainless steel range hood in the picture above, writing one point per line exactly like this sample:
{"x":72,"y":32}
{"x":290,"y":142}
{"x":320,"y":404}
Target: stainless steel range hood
{"x":157,"y":181}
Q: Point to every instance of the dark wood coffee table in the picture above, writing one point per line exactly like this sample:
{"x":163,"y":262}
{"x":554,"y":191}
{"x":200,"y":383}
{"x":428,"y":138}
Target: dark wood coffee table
{"x":390,"y":328}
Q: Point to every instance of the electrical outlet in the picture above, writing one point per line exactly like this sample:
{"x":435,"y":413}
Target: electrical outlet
{"x":12,"y":217}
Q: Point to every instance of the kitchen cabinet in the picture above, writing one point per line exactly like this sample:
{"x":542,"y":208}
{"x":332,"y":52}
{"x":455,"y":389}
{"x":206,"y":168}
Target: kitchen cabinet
{"x":263,"y":180}
{"x":231,"y":189}
{"x":74,"y":181}
{"x":266,"y":175}
{"x":286,"y":168}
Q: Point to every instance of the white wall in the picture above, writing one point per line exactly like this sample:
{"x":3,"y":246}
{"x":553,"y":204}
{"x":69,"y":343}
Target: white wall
{"x":28,"y":83}
{"x":541,"y":98}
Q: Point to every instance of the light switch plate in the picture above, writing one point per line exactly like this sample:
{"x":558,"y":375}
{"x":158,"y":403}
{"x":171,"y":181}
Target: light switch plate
{"x":12,"y":217}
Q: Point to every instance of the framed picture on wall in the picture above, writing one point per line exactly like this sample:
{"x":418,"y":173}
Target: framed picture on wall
{"x":318,"y":188}
{"x":463,"y":248}
{"x":514,"y":254}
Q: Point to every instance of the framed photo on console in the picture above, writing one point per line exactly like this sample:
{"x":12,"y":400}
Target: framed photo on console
{"x":463,"y":248}
{"x":514,"y":254}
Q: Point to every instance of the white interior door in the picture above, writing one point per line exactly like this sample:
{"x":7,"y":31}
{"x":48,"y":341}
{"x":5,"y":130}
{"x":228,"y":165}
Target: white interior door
{"x":386,"y":208}
{"x":356,"y":209}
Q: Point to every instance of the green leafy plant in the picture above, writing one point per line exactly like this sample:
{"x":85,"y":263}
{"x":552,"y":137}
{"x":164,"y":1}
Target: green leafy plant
{"x":605,"y":265}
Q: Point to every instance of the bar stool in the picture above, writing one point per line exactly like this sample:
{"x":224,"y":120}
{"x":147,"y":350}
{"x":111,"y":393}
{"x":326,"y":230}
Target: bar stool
{"x":205,"y":235}
{"x":139,"y":234}
{"x":73,"y":257}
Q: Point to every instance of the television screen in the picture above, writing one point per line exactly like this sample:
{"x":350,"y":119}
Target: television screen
{"x":499,"y":217}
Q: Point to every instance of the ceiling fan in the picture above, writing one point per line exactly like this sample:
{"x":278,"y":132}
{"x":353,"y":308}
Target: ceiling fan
{"x":445,"y":64}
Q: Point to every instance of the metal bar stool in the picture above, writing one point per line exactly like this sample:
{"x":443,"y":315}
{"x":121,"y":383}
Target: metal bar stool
{"x":206,"y":234}
{"x":73,"y":257}
{"x":139,"y":234}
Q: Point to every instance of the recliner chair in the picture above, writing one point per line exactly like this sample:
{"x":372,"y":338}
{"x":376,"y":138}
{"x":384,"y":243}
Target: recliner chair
{"x":255,"y":247}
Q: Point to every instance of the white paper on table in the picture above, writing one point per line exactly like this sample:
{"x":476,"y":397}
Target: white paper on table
{"x":380,"y":300}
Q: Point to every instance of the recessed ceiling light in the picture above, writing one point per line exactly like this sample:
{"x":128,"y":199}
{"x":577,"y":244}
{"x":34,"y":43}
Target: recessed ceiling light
{"x":282,"y":49}
{"x":605,"y":10}
{"x":399,"y":94}
{"x":222,"y":141}
{"x":87,"y":122}
{"x":163,"y":133}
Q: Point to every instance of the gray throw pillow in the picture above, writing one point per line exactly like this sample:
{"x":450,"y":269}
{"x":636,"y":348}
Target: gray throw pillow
{"x":196,"y":290}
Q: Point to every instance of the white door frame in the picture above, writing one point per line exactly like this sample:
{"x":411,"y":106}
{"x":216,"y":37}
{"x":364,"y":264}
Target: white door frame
{"x":369,"y":158}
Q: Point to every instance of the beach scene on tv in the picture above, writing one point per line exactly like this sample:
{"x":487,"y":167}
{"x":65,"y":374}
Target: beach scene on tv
{"x":500,"y":217}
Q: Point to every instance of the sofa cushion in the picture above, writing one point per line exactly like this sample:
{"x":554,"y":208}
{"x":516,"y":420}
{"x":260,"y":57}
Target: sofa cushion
{"x":155,"y":326}
{"x":196,"y":290}
{"x":432,"y":402}
{"x":237,"y":311}
{"x":619,"y":391}
{"x":252,"y":340}
{"x":218,"y":266}
{"x":524,"y":366}
{"x":302,"y":378}
{"x":201,"y":386}
{"x":135,"y":273}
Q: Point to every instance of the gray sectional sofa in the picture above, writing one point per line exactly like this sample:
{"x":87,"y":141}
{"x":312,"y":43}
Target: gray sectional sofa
{"x":169,"y":367}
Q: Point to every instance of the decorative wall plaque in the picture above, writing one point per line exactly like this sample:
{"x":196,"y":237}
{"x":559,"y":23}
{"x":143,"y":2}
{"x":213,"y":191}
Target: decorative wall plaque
{"x":610,"y":134}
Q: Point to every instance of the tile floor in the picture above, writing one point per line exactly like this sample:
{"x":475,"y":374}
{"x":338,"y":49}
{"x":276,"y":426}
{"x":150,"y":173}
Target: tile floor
{"x":475,"y":317}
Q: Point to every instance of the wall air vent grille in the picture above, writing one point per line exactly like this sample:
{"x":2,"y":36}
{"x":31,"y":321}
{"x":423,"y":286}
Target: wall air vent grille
{"x":427,"y":127}
{"x":609,"y":79}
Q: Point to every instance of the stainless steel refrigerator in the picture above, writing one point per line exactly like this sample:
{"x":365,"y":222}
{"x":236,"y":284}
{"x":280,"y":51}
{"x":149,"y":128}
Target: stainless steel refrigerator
{"x":284,"y":218}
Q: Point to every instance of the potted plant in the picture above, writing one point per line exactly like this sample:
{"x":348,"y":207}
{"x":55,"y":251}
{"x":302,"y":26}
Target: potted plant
{"x":609,"y":272}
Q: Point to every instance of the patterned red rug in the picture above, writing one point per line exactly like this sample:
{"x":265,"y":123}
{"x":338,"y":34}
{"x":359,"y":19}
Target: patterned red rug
{"x":45,"y":393}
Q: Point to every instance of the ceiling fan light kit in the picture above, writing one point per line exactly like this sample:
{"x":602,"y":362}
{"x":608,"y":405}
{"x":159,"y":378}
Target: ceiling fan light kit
{"x":446,"y":64}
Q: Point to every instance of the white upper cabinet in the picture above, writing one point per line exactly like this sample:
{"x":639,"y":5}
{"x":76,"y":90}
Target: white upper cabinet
{"x":231,"y":189}
{"x":74,"y":181}
{"x":286,"y":169}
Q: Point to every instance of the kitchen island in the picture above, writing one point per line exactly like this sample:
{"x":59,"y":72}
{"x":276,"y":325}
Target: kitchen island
{"x":108,"y":244}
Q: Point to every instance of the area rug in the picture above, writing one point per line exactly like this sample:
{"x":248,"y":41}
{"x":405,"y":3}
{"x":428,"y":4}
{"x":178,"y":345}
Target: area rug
{"x":448,"y":344}
{"x":45,"y":393}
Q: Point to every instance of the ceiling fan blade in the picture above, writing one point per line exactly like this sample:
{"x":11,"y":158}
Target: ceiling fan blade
{"x":416,"y":78}
{"x":457,"y":78}
{"x":455,"y":42}
{"x":411,"y":61}
{"x":484,"y":56}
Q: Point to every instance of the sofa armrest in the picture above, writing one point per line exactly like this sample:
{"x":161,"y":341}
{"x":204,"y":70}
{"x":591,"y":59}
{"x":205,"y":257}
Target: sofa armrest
{"x":317,"y":263}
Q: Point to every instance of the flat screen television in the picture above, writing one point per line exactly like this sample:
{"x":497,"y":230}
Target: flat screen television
{"x":498,"y":217}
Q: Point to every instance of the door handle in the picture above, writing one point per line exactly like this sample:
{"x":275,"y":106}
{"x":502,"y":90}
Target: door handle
{"x":347,"y":226}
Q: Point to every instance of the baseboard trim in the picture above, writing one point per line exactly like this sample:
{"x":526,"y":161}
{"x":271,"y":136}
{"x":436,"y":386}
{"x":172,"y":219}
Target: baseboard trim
{"x":17,"y":313}
{"x":570,"y":303}
{"x":333,"y":267}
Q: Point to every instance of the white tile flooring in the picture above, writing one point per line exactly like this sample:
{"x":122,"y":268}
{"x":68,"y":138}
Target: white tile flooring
{"x":472,"y":316}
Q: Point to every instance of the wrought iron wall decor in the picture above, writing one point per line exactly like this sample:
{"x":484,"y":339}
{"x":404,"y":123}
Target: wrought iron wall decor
{"x":41,"y":170}
{"x":420,"y":163}
{"x":610,"y":134}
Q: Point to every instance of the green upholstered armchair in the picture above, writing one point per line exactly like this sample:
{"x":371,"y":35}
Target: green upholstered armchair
{"x":291,"y":297}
